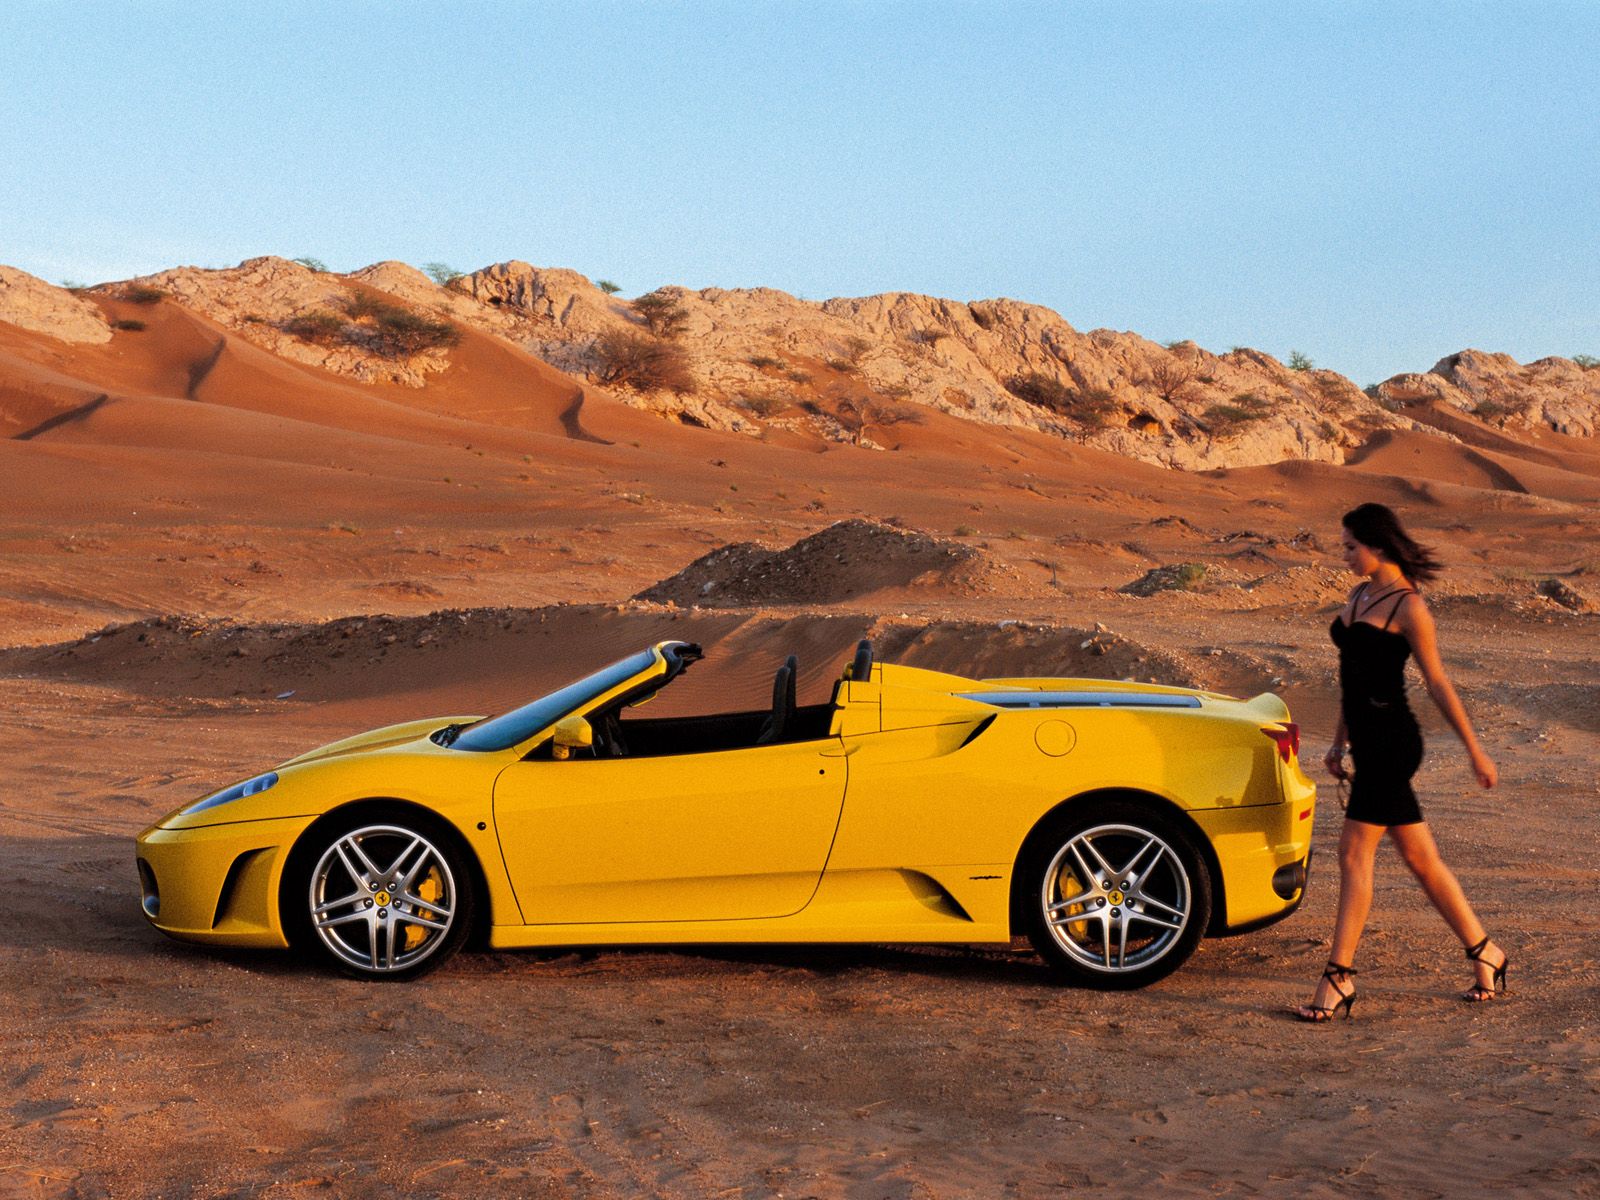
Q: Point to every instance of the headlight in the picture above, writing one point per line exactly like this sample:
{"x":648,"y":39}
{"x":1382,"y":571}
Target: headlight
{"x":237,"y":792}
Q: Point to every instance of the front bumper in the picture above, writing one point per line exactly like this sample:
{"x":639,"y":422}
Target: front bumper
{"x":217,"y":884}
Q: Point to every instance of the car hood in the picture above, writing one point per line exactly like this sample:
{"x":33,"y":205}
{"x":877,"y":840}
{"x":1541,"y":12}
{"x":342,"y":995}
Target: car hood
{"x":379,"y":739}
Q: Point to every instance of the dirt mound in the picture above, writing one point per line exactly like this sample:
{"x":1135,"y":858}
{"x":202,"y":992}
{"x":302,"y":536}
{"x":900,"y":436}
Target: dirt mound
{"x":1184,"y":577}
{"x":845,"y":561}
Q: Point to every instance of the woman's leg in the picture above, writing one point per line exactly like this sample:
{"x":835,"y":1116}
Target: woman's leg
{"x":1421,"y":854}
{"x":1358,"y":846}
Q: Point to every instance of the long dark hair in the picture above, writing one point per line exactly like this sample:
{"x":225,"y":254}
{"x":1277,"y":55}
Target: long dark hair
{"x":1376,"y":526}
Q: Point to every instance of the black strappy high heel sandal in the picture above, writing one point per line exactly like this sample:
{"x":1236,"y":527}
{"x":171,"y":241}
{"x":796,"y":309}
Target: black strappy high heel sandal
{"x":1346,"y":1000}
{"x":1479,"y":992}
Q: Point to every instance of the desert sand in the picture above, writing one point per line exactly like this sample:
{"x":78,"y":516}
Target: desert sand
{"x":217,"y":555}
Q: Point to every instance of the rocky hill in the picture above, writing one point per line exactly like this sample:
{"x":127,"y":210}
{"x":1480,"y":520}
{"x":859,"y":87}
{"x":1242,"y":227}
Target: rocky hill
{"x":754,"y":361}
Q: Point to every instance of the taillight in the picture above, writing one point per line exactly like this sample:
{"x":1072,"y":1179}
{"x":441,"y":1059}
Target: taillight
{"x":1287,"y":736}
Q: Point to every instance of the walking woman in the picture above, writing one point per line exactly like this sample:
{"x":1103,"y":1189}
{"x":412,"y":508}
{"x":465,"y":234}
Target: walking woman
{"x":1383,"y":623}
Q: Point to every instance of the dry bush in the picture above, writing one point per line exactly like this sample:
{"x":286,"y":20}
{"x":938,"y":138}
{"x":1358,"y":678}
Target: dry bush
{"x":400,"y":334}
{"x":663,"y":315}
{"x":1087,"y":406}
{"x":644,"y":364}
{"x":1171,"y":377}
{"x":394,"y":332}
{"x":765,"y":407}
{"x":141,"y":293}
{"x":320,"y":328}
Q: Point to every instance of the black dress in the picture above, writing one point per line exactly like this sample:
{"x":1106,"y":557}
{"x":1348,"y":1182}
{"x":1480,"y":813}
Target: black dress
{"x":1385,"y":742}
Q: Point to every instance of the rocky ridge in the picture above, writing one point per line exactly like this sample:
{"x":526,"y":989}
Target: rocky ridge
{"x":30,"y":303}
{"x":852,"y":370}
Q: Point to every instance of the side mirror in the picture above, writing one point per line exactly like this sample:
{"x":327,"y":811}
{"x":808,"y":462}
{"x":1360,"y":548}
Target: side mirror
{"x":572,"y":733}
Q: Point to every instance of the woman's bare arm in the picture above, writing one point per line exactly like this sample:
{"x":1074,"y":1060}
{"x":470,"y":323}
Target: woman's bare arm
{"x":1416,"y":622}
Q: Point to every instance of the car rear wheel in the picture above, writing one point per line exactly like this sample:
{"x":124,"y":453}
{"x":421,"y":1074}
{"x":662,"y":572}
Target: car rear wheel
{"x":1117,"y":896}
{"x":379,"y":898}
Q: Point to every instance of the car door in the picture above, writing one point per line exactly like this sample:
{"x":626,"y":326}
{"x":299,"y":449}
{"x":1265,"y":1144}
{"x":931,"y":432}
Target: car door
{"x":726,"y":835}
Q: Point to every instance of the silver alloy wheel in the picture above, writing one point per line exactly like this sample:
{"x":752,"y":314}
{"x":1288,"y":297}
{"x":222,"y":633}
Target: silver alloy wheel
{"x":1116,"y":898}
{"x":382,"y":898}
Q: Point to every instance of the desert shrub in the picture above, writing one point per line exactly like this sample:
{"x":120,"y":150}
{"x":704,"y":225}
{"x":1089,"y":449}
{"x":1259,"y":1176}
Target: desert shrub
{"x":1171,"y":377}
{"x":663,"y":315}
{"x":125,"y":323}
{"x":401,"y":333}
{"x":1587,"y":361}
{"x":930,"y":337}
{"x":1087,"y":406}
{"x":142,"y":293}
{"x":1490,"y":410}
{"x":440,"y":273}
{"x":764,"y":361}
{"x":320,"y":328}
{"x":74,"y":285}
{"x":798,"y":376}
{"x":1244,"y":408}
{"x":855,"y":348}
{"x":606,"y":286}
{"x":644,"y":364}
{"x":764,"y":407}
{"x":964,"y":531}
{"x":362,"y":305}
{"x":309,"y":263}
{"x":1042,"y":390}
{"x":1299,"y":362}
{"x":843,"y":365}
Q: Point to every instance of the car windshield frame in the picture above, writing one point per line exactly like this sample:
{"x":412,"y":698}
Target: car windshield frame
{"x":517,"y":726}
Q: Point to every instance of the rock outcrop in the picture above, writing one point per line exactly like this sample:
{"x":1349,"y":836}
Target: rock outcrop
{"x":853,"y":370}
{"x":312,"y":317}
{"x":1552,"y":393}
{"x":30,"y":303}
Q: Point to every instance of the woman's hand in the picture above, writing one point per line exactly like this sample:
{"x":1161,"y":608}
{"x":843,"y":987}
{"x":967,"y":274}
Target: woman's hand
{"x":1334,"y":761}
{"x":1483,"y":767}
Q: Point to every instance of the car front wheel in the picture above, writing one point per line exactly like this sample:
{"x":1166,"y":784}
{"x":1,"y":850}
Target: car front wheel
{"x":1117,"y":896}
{"x":379,"y":898}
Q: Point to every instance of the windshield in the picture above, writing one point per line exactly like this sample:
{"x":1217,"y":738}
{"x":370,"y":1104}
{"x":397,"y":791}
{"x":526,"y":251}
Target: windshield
{"x":506,"y":730}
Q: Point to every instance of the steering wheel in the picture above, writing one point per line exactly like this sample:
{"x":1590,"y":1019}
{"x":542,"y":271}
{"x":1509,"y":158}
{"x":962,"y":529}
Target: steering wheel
{"x":783,"y":705}
{"x":861,"y":667}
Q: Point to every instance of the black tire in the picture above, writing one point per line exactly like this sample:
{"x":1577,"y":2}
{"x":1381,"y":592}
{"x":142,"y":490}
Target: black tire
{"x":379,"y":893}
{"x":1125,"y":927}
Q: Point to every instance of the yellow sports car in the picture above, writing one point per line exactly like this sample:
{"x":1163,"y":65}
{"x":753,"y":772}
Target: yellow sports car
{"x":1113,"y":823}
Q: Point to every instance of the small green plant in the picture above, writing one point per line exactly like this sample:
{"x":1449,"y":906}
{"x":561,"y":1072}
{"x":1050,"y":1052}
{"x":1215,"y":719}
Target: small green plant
{"x":1587,"y":361}
{"x":440,"y":273}
{"x":130,"y":325}
{"x":1299,"y":362}
{"x":663,"y":315}
{"x":143,"y":293}
{"x":309,"y":263}
{"x":606,"y":286}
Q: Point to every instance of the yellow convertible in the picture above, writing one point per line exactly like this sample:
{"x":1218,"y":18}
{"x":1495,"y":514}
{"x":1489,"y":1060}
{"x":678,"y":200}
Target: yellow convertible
{"x":1113,"y":823}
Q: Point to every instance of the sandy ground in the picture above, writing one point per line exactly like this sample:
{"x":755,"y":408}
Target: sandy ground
{"x":175,"y":557}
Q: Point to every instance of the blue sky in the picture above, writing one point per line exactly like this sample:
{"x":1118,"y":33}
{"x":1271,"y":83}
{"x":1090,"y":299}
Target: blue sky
{"x":1376,"y":185}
